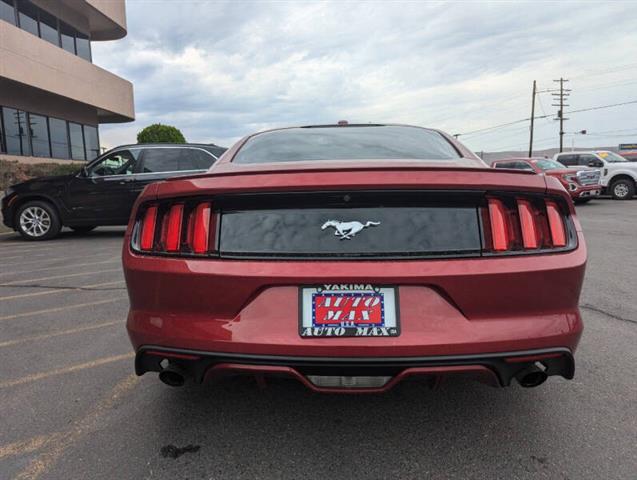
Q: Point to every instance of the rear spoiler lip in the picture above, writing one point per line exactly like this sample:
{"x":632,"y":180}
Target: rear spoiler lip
{"x":438,"y":178}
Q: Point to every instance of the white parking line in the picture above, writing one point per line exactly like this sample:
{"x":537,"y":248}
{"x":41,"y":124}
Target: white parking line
{"x":55,"y":290}
{"x":70,"y":331}
{"x":61,"y":309}
{"x":110,"y":260}
{"x":18,"y":282}
{"x":61,"y":371}
{"x":49,"y":259}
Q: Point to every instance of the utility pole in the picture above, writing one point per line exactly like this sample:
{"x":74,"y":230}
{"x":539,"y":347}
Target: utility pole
{"x":563,"y":94}
{"x":532,"y":120}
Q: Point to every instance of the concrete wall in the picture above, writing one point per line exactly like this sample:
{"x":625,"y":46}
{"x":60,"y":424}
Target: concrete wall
{"x":29,"y":60}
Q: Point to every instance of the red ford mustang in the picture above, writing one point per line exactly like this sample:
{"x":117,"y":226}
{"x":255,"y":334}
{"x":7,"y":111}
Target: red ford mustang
{"x":351,"y":257}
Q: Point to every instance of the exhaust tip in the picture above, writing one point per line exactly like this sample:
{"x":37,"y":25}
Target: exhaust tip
{"x":172,"y":376}
{"x":531,"y":377}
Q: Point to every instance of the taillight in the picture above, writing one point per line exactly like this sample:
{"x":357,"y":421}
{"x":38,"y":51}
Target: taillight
{"x":499,"y":225}
{"x":148,"y":228}
{"x":523,"y":224}
{"x":556,"y":224}
{"x":201,"y":228}
{"x":186,"y":228}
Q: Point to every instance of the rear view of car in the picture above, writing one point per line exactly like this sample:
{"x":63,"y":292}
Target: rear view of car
{"x":351,"y":258}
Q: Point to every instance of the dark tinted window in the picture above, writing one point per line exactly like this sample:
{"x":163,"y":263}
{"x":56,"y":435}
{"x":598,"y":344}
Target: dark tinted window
{"x":39,"y":135}
{"x":195,"y":159}
{"x":515,"y":165}
{"x":92,"y":142}
{"x":567,"y":159}
{"x":59,"y":138}
{"x":67,"y":34}
{"x":49,"y":28}
{"x":215,"y":150}
{"x":121,"y":162}
{"x":77,"y":141}
{"x":7,"y":13}
{"x":161,"y":160}
{"x":83,"y":46}
{"x":28,"y":16}
{"x":346,"y":143}
{"x":15,"y":131}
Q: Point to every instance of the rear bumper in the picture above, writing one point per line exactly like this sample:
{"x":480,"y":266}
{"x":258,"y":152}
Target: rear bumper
{"x":496,"y":369}
{"x":588,"y":191}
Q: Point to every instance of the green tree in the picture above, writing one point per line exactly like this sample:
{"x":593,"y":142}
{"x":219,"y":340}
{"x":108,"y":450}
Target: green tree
{"x":158,"y":133}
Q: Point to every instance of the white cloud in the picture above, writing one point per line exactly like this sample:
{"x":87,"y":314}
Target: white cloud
{"x":222,"y":70}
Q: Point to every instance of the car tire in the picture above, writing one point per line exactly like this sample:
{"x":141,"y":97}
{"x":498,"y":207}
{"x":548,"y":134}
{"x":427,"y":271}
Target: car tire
{"x":83,"y":229}
{"x":622,"y":189}
{"x":38,"y":220}
{"x":580,"y":201}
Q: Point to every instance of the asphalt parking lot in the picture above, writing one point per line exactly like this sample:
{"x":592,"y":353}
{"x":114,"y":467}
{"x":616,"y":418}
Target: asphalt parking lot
{"x":71,"y":406}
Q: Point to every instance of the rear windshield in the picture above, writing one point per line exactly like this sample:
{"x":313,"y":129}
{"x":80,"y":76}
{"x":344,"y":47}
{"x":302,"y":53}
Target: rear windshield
{"x":346,"y":143}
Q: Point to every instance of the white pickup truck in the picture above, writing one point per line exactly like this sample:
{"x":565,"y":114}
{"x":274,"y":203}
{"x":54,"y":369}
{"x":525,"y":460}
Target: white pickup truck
{"x":619,"y":176}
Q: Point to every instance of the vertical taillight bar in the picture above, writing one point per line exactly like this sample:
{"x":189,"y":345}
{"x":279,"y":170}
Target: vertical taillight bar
{"x":173,"y":230}
{"x":148,"y":228}
{"x":556,"y":224}
{"x":499,"y":227}
{"x":201,"y":228}
{"x":530,"y":237}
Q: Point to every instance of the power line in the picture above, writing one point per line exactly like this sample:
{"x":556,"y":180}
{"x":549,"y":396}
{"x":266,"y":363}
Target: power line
{"x":502,"y":125}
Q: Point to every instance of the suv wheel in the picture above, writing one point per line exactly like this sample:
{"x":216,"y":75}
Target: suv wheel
{"x":38,"y":221}
{"x":622,"y":189}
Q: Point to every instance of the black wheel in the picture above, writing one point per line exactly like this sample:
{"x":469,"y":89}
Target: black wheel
{"x":38,"y":220}
{"x":83,"y":228}
{"x":622,"y":189}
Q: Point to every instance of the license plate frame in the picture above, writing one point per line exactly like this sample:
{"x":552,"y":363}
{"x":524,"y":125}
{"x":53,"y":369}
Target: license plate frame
{"x":383,"y":319}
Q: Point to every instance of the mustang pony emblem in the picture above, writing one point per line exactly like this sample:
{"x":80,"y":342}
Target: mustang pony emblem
{"x":347,"y":230}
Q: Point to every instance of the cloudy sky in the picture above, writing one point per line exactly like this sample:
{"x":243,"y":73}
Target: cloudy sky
{"x":219,"y":70}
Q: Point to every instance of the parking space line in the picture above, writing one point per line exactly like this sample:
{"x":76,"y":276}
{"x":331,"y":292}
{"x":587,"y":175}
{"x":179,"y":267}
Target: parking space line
{"x":86,"y":425}
{"x":24,"y":446}
{"x":61,"y":371}
{"x":18,"y":282}
{"x":110,"y":260}
{"x":47,"y":260}
{"x":70,"y":331}
{"x":86,"y":288}
{"x":60,"y":309}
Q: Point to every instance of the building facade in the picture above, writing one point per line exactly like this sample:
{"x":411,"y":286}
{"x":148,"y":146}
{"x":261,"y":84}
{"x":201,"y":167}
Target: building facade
{"x":52,"y":97}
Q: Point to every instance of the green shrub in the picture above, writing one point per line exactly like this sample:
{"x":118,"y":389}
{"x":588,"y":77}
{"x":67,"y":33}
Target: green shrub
{"x":158,"y":133}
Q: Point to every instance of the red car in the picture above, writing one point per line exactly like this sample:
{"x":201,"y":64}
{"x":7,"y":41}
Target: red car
{"x":581,"y":182}
{"x":351,"y":257}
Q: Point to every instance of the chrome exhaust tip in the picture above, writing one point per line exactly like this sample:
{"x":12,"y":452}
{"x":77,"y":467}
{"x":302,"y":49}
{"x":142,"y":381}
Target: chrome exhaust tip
{"x":172,"y":376}
{"x":531,"y":376}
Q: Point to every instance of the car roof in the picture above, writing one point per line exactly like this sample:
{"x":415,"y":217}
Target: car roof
{"x":146,"y":145}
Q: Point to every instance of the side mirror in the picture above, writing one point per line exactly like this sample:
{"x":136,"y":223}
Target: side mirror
{"x":84,"y":172}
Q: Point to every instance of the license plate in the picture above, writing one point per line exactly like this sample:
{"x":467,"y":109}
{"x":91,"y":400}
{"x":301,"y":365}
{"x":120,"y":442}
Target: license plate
{"x":346,"y":310}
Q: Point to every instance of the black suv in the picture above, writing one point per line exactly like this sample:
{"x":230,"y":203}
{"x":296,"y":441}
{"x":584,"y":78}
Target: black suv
{"x":101,"y":193}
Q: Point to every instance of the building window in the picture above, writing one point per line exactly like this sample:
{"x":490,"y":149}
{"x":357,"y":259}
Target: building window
{"x":83,"y":46}
{"x":59,"y":138}
{"x":7,"y":11}
{"x":67,"y":37}
{"x":49,"y":28}
{"x":91,"y":142}
{"x":27,"y":134}
{"x":39,"y":130}
{"x":77,"y":141}
{"x":15,"y":129}
{"x":28,"y":17}
{"x":41,"y":23}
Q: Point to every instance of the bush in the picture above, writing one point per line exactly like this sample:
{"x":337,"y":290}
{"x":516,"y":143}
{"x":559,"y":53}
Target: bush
{"x":158,"y":133}
{"x":12,"y":172}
